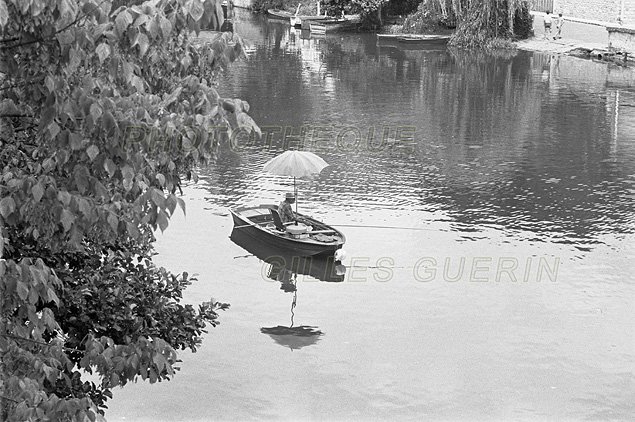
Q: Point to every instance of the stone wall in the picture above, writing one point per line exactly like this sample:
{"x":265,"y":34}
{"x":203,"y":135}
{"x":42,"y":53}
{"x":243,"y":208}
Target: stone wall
{"x":622,"y":39}
{"x":598,"y":10}
{"x":245,"y":4}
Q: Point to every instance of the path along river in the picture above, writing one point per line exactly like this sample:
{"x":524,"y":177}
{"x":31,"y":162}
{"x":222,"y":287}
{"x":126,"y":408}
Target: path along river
{"x":512,"y":300}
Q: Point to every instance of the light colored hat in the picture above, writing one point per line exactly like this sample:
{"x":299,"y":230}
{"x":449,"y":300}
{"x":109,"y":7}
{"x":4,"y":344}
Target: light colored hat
{"x":290,"y":195}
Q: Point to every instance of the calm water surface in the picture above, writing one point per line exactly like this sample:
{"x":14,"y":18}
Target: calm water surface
{"x":506,"y":292}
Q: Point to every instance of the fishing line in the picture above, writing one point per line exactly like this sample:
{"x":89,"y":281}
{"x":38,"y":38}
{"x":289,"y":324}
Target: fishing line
{"x":359,"y":226}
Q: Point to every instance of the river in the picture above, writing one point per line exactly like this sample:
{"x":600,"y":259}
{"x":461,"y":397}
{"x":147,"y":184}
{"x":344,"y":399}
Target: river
{"x":488,"y":205}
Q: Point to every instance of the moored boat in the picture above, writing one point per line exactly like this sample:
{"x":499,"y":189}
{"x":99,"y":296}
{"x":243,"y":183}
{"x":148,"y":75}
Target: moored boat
{"x":280,"y":14}
{"x":430,"y":39}
{"x":329,"y":24}
{"x":308,"y":237}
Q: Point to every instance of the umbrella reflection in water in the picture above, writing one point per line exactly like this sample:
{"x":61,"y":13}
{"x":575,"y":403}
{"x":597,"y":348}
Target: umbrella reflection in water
{"x":285,"y":267}
{"x":293,"y":337}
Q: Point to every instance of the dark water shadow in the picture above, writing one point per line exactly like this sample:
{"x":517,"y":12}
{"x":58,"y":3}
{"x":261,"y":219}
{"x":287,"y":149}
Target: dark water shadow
{"x":285,"y":266}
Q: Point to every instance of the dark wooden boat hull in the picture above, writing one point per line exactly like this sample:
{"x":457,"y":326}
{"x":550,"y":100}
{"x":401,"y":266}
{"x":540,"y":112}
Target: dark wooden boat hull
{"x":304,"y":247}
{"x":320,"y":267}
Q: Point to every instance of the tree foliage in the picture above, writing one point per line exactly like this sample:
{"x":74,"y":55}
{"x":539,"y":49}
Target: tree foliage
{"x":104,"y":111}
{"x":484,"y":23}
{"x":478,"y":23}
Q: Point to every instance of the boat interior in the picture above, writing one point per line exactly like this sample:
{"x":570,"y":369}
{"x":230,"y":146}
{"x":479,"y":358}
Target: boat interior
{"x":268,"y":218}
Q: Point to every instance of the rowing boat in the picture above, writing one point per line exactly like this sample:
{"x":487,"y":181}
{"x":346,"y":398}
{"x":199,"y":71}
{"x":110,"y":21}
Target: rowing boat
{"x":280,"y":14}
{"x":284,"y":265}
{"x":307,"y":237}
{"x":429,"y":39}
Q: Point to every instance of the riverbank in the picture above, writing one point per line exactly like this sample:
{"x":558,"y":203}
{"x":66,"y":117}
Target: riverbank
{"x":582,"y":38}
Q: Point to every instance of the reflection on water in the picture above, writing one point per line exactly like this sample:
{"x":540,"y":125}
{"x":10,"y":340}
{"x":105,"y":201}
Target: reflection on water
{"x":491,"y":161}
{"x":284,"y":266}
{"x":293,"y":337}
{"x":526,"y":142}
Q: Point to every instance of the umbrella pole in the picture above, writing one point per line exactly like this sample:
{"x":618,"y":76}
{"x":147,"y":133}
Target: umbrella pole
{"x":295,"y":192}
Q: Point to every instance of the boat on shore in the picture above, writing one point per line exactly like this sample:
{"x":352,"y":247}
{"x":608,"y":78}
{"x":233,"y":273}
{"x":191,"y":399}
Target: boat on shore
{"x":423,"y":39}
{"x":307,"y":237}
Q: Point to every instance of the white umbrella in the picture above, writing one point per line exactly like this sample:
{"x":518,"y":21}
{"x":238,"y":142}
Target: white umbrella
{"x":296,"y":164}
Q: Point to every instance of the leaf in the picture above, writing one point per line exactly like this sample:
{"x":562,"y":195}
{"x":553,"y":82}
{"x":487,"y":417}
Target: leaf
{"x":153,"y":28}
{"x":54,"y":129}
{"x":181,"y":203}
{"x":7,"y":106}
{"x":137,"y":82}
{"x":166,"y":27}
{"x":122,"y":21}
{"x":173,"y":96}
{"x":92,"y":152}
{"x":76,"y":141}
{"x":157,"y":197}
{"x":186,"y":61}
{"x":133,"y":231}
{"x":67,"y":219}
{"x":7,"y":206}
{"x":110,"y":167}
{"x":4,"y":13}
{"x":127,"y":172}
{"x":103,"y":51}
{"x":141,"y":19}
{"x":196,"y":10}
{"x":22,"y":289}
{"x":95,"y":111}
{"x":74,"y":59}
{"x":64,"y":197}
{"x":143,"y":43}
{"x":37,"y":191}
{"x":162,"y":220}
{"x":109,"y":123}
{"x":113,"y":221}
{"x":67,"y":6}
{"x":81,"y":179}
{"x":170,"y":203}
{"x":85,"y":207}
{"x":100,"y":190}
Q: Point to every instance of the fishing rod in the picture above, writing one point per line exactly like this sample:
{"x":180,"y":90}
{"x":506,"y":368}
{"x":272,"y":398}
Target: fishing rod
{"x":357,"y":226}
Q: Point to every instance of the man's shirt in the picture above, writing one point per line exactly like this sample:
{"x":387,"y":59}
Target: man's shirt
{"x":285,"y":211}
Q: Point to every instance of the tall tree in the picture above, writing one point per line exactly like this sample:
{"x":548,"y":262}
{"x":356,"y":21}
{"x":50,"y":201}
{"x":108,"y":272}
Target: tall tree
{"x":103,"y":112}
{"x":479,"y":22}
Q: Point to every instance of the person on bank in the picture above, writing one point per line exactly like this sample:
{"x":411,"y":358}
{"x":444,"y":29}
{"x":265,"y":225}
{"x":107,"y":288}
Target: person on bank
{"x":559,"y":24}
{"x":284,"y":209}
{"x":547,"y":22}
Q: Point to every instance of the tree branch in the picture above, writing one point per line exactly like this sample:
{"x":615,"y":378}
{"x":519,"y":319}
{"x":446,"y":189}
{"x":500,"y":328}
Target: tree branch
{"x":16,"y":115}
{"x":81,"y":16}
{"x":41,"y":343}
{"x":9,"y":398}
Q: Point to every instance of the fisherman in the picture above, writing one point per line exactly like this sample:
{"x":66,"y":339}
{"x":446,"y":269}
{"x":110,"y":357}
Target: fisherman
{"x":285,"y":210}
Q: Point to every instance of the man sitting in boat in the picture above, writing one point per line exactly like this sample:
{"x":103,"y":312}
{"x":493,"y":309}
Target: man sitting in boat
{"x":285,"y":210}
